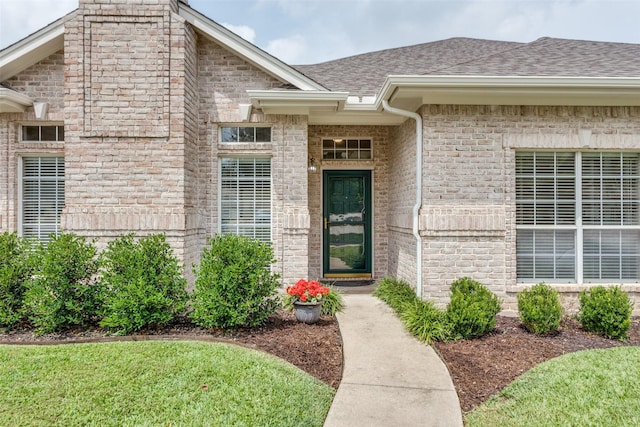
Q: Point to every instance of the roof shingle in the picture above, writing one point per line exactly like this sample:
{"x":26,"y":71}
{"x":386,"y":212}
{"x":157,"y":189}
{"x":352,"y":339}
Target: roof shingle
{"x":364,"y":74}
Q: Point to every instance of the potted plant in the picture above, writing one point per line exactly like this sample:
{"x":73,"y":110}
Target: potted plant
{"x":307,"y":297}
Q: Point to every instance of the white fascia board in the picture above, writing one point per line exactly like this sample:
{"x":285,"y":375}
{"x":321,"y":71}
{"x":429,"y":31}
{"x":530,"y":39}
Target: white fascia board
{"x":32,"y":49}
{"x":297,"y":101}
{"x":513,"y":90}
{"x":13,"y":102}
{"x":246,"y":50}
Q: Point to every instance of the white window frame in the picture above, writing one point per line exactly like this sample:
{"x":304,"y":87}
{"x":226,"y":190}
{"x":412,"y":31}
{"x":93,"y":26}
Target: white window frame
{"x":352,"y":145}
{"x":221,"y":130}
{"x":21,"y":197}
{"x":579,"y":228}
{"x":59,"y":135}
{"x":238,"y":225}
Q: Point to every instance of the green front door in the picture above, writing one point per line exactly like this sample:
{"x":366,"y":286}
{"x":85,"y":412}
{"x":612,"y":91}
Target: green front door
{"x":347,"y":224}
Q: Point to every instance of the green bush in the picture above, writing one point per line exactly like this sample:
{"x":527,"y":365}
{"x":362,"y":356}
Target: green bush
{"x":425,"y":321}
{"x":333,"y":303}
{"x":606,"y":311}
{"x":15,"y":268}
{"x":540,"y":310}
{"x":143,"y":284}
{"x":396,"y":293}
{"x":234,"y":284}
{"x":62,"y":291}
{"x":472,"y":309}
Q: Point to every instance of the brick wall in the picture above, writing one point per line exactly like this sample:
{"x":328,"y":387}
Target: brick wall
{"x":468,"y":217}
{"x":402,"y":198}
{"x":223,"y":79}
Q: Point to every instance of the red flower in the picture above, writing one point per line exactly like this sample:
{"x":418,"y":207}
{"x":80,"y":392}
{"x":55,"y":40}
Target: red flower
{"x":311,"y":291}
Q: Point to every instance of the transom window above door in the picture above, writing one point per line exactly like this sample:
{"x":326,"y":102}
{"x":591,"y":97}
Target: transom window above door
{"x":347,"y":149}
{"x":250,"y":134}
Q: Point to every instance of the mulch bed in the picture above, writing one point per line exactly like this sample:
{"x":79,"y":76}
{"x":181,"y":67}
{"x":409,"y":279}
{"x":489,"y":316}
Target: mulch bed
{"x":482,"y":367}
{"x":316,"y":349}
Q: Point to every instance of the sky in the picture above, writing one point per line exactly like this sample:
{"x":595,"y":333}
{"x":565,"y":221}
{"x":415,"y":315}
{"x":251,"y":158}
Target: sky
{"x":314,"y":31}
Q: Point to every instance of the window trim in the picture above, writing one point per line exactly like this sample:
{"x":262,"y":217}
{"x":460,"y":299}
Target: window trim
{"x":41,"y":125}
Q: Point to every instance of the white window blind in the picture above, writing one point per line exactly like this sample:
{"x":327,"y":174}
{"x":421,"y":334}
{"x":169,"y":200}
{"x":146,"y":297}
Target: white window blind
{"x":42,"y":196}
{"x":245,"y":206}
{"x":611,"y":201}
{"x":578,"y":207}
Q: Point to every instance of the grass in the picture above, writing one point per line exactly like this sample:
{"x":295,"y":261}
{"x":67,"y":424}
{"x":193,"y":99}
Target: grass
{"x":155,"y":384}
{"x":587,"y":388}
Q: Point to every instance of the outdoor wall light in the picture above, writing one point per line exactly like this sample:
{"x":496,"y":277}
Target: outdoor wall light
{"x":313,"y":168}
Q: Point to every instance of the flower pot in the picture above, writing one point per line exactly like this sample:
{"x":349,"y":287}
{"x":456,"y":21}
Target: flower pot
{"x":307,"y":312}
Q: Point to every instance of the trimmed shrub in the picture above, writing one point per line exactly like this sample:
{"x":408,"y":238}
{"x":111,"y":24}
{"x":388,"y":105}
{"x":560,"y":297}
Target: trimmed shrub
{"x":540,"y":310}
{"x":62,"y":292}
{"x":606,"y":312}
{"x":234,"y":284}
{"x":425,"y":321}
{"x":472,"y":309}
{"x":143,"y":284}
{"x":15,"y":268}
{"x":396,"y":293}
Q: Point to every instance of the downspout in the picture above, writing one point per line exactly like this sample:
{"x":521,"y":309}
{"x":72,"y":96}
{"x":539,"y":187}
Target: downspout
{"x":418,"y":205}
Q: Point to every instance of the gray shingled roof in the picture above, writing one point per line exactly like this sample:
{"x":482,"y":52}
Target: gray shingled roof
{"x":364,"y":74}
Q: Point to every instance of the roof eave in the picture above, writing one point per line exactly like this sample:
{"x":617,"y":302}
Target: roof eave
{"x":13,"y":102}
{"x":297,"y":101}
{"x":410,"y":92}
{"x":246,"y":50}
{"x":32,"y":49}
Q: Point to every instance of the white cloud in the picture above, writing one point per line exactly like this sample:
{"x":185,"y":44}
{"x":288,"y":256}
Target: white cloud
{"x":290,"y":50}
{"x":243,"y":31}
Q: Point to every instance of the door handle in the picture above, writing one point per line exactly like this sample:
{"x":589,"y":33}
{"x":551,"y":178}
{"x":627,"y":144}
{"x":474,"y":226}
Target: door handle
{"x":325,"y":222}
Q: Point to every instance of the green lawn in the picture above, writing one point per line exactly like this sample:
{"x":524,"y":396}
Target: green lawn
{"x":587,"y":388}
{"x":155,"y":384}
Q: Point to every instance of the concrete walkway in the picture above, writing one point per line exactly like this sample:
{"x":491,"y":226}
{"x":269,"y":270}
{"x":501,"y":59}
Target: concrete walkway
{"x":389,"y":377}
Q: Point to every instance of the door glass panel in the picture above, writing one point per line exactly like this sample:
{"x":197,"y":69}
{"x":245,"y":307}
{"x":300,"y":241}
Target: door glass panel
{"x":347,"y":247}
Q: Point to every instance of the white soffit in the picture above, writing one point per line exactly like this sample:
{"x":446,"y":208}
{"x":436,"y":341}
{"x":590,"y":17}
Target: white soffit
{"x":13,"y":102}
{"x":32,"y":49}
{"x":322,"y":107}
{"x":246,"y":50}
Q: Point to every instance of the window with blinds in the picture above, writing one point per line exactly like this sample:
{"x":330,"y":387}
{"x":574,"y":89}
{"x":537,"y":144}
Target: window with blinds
{"x":42,"y":196}
{"x":578,"y":209}
{"x":610,"y":205}
{"x":245,"y":197}
{"x":545,"y":201}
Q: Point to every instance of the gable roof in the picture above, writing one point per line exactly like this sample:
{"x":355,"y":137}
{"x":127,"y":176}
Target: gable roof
{"x":50,"y":39}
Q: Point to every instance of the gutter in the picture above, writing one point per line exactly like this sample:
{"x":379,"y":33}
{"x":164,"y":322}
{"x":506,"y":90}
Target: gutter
{"x":418,"y":204}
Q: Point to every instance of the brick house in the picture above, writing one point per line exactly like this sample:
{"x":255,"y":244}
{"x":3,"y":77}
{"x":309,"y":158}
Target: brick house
{"x":513,"y":163}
